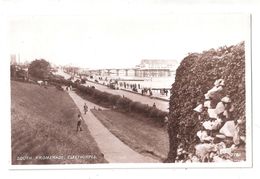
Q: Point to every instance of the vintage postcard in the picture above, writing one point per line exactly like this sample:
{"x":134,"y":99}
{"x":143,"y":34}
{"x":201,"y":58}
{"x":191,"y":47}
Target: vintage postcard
{"x":169,"y":90}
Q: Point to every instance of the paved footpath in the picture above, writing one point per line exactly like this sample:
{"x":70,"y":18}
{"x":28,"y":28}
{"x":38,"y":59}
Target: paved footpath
{"x":114,"y":150}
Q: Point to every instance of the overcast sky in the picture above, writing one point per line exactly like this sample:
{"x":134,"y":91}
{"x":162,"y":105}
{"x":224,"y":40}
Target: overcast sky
{"x":102,"y":38}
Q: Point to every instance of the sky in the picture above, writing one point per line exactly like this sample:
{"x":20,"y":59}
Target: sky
{"x":121,"y":38}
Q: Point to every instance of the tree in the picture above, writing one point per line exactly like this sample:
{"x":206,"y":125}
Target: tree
{"x":39,"y":69}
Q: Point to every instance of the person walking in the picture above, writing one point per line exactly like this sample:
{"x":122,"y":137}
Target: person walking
{"x":79,"y":128}
{"x":85,"y":108}
{"x":166,"y":92}
{"x":151,"y":93}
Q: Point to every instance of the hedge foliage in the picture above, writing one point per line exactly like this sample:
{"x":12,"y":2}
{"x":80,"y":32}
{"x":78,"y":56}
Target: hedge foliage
{"x":194,"y":77}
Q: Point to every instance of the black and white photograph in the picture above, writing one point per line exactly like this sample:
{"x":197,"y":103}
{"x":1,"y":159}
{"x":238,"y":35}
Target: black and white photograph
{"x":129,"y":88}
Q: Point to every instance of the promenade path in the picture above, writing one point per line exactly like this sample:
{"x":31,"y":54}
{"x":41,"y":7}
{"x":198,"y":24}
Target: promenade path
{"x":114,"y":150}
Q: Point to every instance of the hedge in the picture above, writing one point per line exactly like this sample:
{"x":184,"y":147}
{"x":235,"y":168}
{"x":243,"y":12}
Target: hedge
{"x":194,"y":77}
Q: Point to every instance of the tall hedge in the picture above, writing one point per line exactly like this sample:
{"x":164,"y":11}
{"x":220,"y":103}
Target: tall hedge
{"x":194,"y":77}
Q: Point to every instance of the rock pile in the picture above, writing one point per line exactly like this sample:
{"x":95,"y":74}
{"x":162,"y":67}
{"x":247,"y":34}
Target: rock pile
{"x":219,"y":129}
{"x":207,"y":107}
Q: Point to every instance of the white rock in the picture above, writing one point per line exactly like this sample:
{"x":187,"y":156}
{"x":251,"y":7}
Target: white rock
{"x":202,"y":150}
{"x":228,"y":129}
{"x":188,"y":161}
{"x":207,"y":104}
{"x":219,"y":82}
{"x":199,"y":117}
{"x":221,"y":145}
{"x":217,"y":159}
{"x":231,"y":109}
{"x":220,"y":108}
{"x":226,"y":114}
{"x":207,"y":125}
{"x":240,"y":121}
{"x":211,"y":93}
{"x":203,"y":136}
{"x":40,"y":82}
{"x":243,"y":138}
{"x":199,"y":108}
{"x":227,"y":151}
{"x":195,"y":159}
{"x":212,"y":113}
{"x":211,"y":155}
{"x":206,"y":96}
{"x":226,"y":99}
{"x":179,"y":151}
{"x":221,"y":136}
{"x":212,"y":125}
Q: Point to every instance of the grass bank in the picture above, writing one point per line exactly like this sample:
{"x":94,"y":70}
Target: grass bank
{"x":43,"y":123}
{"x":139,"y":133}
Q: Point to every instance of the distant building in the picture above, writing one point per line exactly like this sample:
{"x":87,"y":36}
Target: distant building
{"x":13,"y":59}
{"x":156,"y":68}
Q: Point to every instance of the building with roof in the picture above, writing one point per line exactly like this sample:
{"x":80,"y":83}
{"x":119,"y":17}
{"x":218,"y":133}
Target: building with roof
{"x":156,"y":68}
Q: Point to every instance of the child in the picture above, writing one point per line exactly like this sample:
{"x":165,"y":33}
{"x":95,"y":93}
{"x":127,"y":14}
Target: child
{"x":79,"y":123}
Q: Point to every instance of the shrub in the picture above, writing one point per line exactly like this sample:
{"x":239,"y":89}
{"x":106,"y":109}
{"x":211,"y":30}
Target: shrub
{"x":82,"y":89}
{"x":83,"y":81}
{"x":104,"y":96}
{"x":123,"y":103}
{"x":113,"y":99}
{"x":97,"y":95}
{"x":196,"y":75}
{"x":89,"y":91}
{"x":133,"y":106}
{"x":140,"y":108}
{"x":154,"y":113}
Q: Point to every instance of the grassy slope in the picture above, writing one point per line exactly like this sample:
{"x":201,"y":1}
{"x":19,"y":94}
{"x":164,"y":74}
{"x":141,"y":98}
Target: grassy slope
{"x":142,"y":135}
{"x":44,"y":123}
